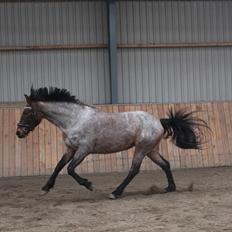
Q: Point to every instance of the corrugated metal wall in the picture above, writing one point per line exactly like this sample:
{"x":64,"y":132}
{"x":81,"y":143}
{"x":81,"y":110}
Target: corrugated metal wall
{"x":174,"y":74}
{"x":144,"y":75}
{"x":83,"y":71}
{"x":36,"y":23}
{"x":174,"y":21}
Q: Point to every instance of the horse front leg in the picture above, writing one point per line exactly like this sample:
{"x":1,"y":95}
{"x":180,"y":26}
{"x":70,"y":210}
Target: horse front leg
{"x":64,"y":160}
{"x":77,"y":159}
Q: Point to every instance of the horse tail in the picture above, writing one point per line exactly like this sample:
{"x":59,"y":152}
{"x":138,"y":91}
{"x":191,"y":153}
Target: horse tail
{"x":184,"y":129}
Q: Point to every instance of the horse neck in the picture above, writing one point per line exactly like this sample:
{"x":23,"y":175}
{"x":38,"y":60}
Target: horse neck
{"x":61,"y":114}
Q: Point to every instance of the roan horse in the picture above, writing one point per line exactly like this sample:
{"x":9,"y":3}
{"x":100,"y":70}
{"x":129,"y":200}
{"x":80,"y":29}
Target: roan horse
{"x":88,"y":130}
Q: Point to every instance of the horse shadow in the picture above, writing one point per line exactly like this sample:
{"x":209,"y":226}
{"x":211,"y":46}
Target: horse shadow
{"x":98,"y":195}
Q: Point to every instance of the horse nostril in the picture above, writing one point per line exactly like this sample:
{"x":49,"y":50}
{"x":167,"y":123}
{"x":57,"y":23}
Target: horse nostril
{"x":18,"y":133}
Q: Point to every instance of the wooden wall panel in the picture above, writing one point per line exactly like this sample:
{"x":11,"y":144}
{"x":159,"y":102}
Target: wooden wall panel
{"x":1,"y":143}
{"x":42,"y":149}
{"x":6,"y":142}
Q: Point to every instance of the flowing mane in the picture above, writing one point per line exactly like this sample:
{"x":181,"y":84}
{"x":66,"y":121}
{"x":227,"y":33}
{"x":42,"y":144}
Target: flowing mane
{"x":53,"y":94}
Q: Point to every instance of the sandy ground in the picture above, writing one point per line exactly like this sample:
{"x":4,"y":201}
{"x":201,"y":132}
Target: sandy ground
{"x":70,"y":207}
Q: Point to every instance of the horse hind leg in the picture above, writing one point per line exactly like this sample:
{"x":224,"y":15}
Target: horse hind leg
{"x":156,"y":157}
{"x":134,"y":170}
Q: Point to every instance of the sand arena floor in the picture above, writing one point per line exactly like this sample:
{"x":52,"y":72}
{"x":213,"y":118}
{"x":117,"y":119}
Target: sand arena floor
{"x":70,"y":207}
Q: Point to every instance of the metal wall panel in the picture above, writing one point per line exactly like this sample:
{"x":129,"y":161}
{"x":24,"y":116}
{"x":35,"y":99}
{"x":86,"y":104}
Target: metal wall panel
{"x":145,"y":75}
{"x":83,"y":71}
{"x":174,"y":74}
{"x":44,"y":23}
{"x":174,"y":21}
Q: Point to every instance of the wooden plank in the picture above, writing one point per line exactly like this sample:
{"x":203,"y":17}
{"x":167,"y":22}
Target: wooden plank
{"x":220,"y":131}
{"x":230,"y":133}
{"x":6,"y":164}
{"x":24,"y":160}
{"x":47,"y":142}
{"x":213,"y":125}
{"x":35,"y":151}
{"x":90,"y":163}
{"x":211,"y":142}
{"x":29,"y":154}
{"x":102,"y":163}
{"x":219,"y":139}
{"x":42,"y":161}
{"x":12,"y":130}
{"x":197,"y":155}
{"x":1,"y":143}
{"x":54,"y":159}
{"x":205,"y":135}
{"x":18,"y":147}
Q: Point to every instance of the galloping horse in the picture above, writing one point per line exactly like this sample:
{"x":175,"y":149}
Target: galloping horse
{"x":88,"y":130}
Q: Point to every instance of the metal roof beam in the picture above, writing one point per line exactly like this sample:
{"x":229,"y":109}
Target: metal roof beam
{"x":112,"y":40}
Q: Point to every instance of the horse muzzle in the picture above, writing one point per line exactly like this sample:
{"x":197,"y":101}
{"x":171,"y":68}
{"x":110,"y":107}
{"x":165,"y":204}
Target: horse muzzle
{"x":21,"y":133}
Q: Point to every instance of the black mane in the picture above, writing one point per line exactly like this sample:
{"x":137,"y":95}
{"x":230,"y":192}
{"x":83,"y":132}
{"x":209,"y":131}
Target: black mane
{"x":53,"y":94}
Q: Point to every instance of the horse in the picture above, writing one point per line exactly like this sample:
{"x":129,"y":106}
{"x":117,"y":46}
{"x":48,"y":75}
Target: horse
{"x":88,"y":130}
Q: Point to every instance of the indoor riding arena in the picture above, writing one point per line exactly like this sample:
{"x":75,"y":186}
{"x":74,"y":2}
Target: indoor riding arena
{"x":119,"y":56}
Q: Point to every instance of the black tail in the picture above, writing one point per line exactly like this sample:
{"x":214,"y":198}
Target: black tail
{"x":184,"y":129}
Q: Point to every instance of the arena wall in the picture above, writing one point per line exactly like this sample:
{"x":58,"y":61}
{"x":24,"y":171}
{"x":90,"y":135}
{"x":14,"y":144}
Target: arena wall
{"x":41,"y":150}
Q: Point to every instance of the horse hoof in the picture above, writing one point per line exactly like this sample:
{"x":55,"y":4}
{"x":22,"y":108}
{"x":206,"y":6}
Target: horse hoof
{"x":112,"y":196}
{"x":43,"y":192}
{"x":91,"y":188}
{"x":170,"y":189}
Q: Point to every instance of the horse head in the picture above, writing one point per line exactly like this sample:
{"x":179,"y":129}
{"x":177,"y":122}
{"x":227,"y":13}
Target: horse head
{"x":30,"y":118}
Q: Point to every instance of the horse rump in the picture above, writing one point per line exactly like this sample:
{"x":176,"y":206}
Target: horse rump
{"x":184,"y":129}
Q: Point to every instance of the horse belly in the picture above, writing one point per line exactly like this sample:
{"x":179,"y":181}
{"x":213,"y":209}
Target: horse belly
{"x":113,"y":143}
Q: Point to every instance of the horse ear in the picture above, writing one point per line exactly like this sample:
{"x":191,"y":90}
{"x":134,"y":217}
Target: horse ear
{"x":28,"y":100}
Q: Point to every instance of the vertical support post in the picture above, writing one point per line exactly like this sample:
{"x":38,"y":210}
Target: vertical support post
{"x":112,"y":42}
